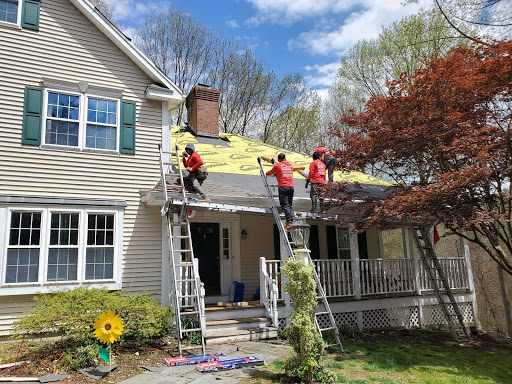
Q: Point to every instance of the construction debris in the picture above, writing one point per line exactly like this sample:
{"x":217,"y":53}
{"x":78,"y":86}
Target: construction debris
{"x":215,"y":366}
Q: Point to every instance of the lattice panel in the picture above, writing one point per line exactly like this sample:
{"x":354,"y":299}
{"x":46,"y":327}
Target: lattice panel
{"x":376,"y":319}
{"x":281,"y":324}
{"x":433,"y":314}
{"x":391,"y":318}
{"x":347,"y":318}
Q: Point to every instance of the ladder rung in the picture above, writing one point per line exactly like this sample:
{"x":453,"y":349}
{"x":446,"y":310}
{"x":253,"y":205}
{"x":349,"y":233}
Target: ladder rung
{"x":187,"y":306}
{"x":321,"y":313}
{"x":185,"y":280}
{"x":182,"y":250}
{"x":189,"y":313}
{"x":327,"y":329}
{"x":180,"y":237}
{"x":178,"y":222}
{"x":184,"y":264}
{"x":186,"y":296}
{"x":191,"y":330}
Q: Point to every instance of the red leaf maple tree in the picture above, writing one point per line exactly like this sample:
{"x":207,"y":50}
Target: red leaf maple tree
{"x":443,"y":135}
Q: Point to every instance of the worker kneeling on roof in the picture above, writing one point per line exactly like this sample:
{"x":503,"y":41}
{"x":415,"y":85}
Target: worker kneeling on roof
{"x":193,"y":162}
{"x":284,"y":173}
{"x":327,"y":157}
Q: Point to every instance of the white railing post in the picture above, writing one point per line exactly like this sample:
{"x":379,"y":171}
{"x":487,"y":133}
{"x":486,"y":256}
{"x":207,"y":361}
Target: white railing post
{"x":263,"y":283}
{"x":275,"y":321}
{"x":354,"y":257}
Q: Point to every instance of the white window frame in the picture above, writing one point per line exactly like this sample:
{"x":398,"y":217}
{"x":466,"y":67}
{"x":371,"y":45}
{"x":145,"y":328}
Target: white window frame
{"x":82,"y":121}
{"x":338,"y":246}
{"x":43,"y":285}
{"x":18,"y":19}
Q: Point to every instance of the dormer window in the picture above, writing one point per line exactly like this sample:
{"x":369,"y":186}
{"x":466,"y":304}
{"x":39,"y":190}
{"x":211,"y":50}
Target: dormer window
{"x":9,"y":11}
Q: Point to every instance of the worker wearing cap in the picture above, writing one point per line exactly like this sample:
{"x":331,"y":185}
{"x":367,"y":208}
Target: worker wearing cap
{"x":192,"y":162}
{"x":327,"y":157}
{"x":317,"y":178}
{"x":284,"y":173}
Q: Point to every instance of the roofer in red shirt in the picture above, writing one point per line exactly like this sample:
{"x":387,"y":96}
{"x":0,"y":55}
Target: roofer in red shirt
{"x":317,"y":178}
{"x":192,"y":162}
{"x":284,"y":173}
{"x":328,"y":159}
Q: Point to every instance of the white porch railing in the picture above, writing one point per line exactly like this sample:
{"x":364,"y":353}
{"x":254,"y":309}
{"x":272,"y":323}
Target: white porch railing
{"x":454,"y":269}
{"x":386,"y":276}
{"x":377,"y":276}
{"x":335,"y":276}
{"x":268,"y":292}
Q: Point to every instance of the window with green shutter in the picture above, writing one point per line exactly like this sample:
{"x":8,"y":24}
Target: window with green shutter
{"x":32,"y":116}
{"x":30,"y":14}
{"x":127,"y":140}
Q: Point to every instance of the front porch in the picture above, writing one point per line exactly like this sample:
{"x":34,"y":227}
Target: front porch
{"x":375,"y":293}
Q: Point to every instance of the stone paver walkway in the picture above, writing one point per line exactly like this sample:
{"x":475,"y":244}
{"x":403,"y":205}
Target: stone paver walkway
{"x":188,"y":374}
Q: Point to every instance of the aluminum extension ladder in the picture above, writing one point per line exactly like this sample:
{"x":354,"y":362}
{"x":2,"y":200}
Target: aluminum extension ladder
{"x":436,"y":275}
{"x":186,"y":287}
{"x":321,"y":296}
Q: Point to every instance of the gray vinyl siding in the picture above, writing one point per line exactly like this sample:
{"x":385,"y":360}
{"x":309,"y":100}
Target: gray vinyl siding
{"x":69,"y":47}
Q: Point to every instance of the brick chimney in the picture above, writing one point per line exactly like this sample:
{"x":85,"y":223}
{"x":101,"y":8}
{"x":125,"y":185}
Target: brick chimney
{"x":203,"y":110}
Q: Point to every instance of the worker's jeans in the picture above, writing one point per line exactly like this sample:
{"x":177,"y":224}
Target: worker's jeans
{"x":286,"y":199}
{"x":191,"y":180}
{"x":330,"y":162}
{"x":313,"y":194}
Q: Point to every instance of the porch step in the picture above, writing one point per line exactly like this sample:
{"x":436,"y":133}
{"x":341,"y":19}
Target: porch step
{"x":230,"y":313}
{"x":221,"y":336}
{"x":238,"y":324}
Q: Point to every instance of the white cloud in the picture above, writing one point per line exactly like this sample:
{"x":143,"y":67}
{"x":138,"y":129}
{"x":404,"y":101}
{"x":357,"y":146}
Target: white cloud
{"x":232,"y":23}
{"x":365,"y":23}
{"x":289,"y":11}
{"x":133,"y":10}
{"x":321,"y":75}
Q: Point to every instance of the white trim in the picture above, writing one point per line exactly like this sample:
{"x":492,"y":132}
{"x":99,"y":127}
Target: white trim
{"x":82,"y":120}
{"x":44,"y":286}
{"x":122,"y":42}
{"x":16,"y":25}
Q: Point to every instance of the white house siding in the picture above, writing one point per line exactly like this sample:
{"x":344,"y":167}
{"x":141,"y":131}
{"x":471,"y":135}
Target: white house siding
{"x":69,"y":47}
{"x":259,"y":243}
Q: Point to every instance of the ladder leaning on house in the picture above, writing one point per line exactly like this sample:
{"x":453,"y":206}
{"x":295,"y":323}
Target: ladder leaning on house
{"x":186,"y":289}
{"x":288,"y":246}
{"x":436,"y":275}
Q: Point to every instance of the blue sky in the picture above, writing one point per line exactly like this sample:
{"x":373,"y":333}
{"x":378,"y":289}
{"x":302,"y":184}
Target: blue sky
{"x":305,"y":36}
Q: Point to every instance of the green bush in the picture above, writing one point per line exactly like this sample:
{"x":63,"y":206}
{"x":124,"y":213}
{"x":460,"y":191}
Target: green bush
{"x":302,"y":334}
{"x":72,"y":313}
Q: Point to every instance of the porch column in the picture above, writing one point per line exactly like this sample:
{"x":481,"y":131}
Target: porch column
{"x":412,"y":253}
{"x":354,"y":257}
{"x":263,"y":285}
{"x":464,"y":251}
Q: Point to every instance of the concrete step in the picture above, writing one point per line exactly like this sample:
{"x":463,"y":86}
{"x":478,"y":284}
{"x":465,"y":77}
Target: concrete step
{"x":222,"y":336}
{"x":229,"y":313}
{"x":238,"y":324}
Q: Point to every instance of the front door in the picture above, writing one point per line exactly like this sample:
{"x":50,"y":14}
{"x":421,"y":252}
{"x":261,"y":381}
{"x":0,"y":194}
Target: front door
{"x":205,"y":241}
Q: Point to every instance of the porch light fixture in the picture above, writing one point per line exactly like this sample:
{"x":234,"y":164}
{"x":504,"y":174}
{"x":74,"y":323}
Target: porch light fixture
{"x":243,"y":234}
{"x":299,"y":231}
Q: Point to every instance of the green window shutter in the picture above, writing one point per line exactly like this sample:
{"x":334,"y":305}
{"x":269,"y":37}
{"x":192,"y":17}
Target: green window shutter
{"x":30,"y":14}
{"x":32,"y":116}
{"x":127,"y":134}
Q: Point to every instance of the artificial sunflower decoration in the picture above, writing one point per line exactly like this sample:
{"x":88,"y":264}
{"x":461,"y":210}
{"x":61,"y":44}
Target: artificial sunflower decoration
{"x":108,"y":327}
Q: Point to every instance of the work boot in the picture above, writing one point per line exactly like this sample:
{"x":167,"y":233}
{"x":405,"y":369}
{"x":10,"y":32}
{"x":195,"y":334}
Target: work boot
{"x":207,"y":199}
{"x":288,"y":225}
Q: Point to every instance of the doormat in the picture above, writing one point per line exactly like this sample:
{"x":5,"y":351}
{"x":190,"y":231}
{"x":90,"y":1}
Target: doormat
{"x":194,"y":359}
{"x":215,"y":366}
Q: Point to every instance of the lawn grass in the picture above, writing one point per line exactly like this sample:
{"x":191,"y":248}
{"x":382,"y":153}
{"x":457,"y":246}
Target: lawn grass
{"x":410,"y":362}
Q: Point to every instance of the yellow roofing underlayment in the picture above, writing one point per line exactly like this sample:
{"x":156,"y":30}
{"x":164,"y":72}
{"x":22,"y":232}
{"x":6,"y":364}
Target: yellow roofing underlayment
{"x":241,"y":157}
